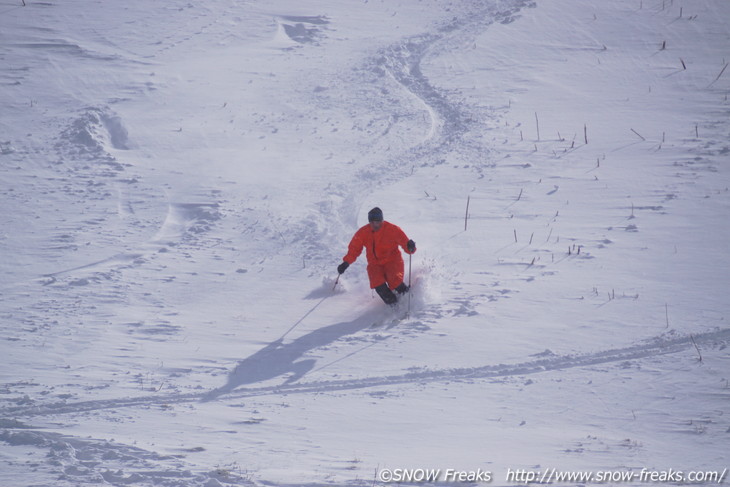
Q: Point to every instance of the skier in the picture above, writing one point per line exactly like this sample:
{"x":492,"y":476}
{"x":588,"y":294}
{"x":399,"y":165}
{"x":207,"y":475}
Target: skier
{"x":381,"y":240}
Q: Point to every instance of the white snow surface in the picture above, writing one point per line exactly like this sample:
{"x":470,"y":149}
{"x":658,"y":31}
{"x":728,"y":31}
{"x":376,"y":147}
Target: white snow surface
{"x":179,"y":181}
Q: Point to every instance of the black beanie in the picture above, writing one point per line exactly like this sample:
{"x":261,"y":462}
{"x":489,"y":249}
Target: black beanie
{"x":376,"y":214}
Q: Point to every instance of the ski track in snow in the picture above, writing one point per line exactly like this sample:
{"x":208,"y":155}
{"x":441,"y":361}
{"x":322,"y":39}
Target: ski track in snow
{"x":660,"y":346}
{"x":448,"y":117}
{"x":396,"y":69}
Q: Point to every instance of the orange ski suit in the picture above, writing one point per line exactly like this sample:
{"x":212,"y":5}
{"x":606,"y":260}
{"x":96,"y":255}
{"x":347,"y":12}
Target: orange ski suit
{"x":385,"y":262}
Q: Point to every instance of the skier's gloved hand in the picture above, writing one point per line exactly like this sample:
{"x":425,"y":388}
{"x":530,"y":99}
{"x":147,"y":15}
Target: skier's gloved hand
{"x":411,"y":246}
{"x":342,"y":267}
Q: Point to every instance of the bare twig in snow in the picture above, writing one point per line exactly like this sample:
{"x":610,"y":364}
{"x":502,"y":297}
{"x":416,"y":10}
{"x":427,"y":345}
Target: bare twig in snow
{"x":466,"y":215}
{"x":699,"y":354}
{"x":718,"y":76}
{"x":637,"y":133}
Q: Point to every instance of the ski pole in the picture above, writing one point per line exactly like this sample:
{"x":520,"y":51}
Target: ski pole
{"x":410,"y":258}
{"x":336,"y":281}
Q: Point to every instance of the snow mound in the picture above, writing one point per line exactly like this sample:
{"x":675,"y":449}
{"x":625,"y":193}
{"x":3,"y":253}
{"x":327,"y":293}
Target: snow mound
{"x":96,"y":131}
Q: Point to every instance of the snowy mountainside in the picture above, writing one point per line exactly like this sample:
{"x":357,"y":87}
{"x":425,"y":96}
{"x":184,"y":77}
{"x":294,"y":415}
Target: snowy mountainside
{"x":180,"y":181}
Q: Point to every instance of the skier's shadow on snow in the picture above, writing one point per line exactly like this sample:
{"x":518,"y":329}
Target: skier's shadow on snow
{"x":279,"y":358}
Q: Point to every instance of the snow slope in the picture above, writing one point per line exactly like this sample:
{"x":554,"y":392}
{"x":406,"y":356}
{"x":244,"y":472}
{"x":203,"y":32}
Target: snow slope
{"x":179,"y":181}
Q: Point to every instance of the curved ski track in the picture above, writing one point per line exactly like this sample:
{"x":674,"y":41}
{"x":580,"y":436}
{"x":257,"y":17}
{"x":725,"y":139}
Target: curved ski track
{"x":661,"y":345}
{"x":450,"y":118}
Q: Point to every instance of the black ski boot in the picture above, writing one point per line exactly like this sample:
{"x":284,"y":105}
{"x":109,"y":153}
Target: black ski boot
{"x":402,"y":288}
{"x":386,"y":294}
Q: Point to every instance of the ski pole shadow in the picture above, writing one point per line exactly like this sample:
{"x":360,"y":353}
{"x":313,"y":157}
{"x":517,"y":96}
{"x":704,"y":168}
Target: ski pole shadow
{"x":279,"y":358}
